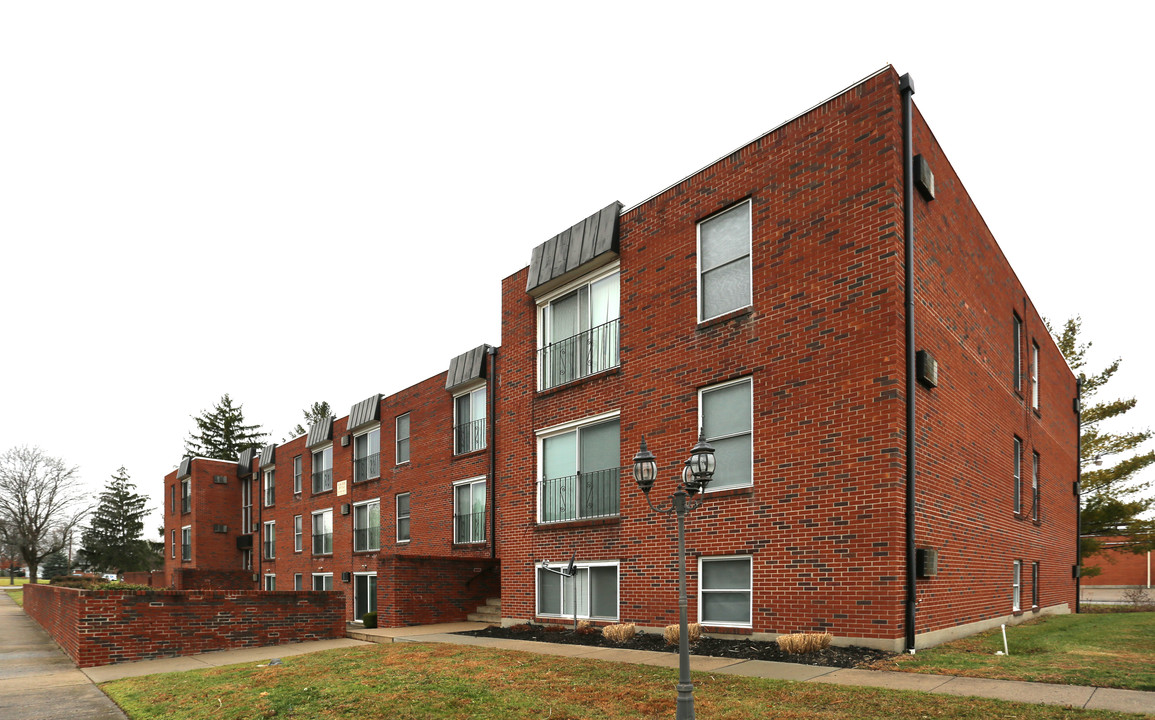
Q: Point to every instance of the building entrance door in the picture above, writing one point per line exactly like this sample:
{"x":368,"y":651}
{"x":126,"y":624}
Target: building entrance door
{"x":364,"y":594}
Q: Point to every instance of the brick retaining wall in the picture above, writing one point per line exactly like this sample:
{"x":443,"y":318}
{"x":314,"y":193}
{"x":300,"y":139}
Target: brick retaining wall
{"x":102,"y":627}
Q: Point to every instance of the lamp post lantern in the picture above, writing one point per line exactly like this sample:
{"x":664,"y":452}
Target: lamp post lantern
{"x":697,"y":472}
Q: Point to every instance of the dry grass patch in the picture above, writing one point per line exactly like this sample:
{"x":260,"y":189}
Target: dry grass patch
{"x":619,"y":633}
{"x":802,"y":643}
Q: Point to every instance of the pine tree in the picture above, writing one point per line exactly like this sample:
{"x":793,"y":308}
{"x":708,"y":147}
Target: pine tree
{"x":56,"y":565}
{"x":1114,"y":499}
{"x":318,"y":411}
{"x":113,"y":541}
{"x":222,"y":434}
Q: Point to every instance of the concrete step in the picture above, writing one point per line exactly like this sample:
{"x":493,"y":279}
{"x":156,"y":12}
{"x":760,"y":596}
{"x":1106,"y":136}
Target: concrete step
{"x":486,"y":614}
{"x":493,"y":602}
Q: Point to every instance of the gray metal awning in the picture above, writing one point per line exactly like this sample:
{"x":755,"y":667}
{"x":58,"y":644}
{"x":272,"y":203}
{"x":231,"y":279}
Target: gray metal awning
{"x":585,"y":246}
{"x":245,"y":463}
{"x":365,"y":412}
{"x":268,"y":455}
{"x":185,"y":468}
{"x":320,"y":432}
{"x":466,"y":368}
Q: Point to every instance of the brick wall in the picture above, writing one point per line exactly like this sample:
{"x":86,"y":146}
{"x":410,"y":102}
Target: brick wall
{"x":102,"y":627}
{"x":426,"y":590}
{"x":1118,"y":567}
{"x":211,"y":579}
{"x":155,"y":579}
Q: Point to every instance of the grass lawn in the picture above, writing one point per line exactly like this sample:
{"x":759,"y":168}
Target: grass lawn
{"x":1114,"y":650}
{"x":6,"y":581}
{"x":17,"y":595}
{"x":404,"y":680}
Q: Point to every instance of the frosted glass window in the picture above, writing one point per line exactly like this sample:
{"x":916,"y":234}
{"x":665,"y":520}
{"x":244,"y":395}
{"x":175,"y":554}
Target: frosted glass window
{"x":724,"y":262}
{"x":725,"y":591}
{"x":727,"y":421}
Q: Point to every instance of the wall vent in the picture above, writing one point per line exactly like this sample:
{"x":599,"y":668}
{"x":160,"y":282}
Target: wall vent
{"x":926,"y":368}
{"x":220,"y":528}
{"x":346,"y":576}
{"x":344,"y":441}
{"x":926,"y":562}
{"x":220,"y":479}
{"x":345,"y":509}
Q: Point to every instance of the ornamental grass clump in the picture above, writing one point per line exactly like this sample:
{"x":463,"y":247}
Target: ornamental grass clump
{"x":802,"y":643}
{"x":619,"y":633}
{"x":671,"y":633}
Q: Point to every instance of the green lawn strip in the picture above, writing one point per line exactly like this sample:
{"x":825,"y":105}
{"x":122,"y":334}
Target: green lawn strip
{"x":1115,"y":650}
{"x":18,"y":596}
{"x":404,"y":680}
{"x":6,"y":581}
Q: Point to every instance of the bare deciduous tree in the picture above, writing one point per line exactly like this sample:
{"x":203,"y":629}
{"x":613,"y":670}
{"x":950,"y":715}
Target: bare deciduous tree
{"x":41,"y":502}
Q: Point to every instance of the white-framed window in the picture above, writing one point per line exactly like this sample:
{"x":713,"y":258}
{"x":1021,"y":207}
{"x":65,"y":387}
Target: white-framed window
{"x":367,"y":455}
{"x":1035,"y":584}
{"x":403,"y":517}
{"x":323,"y":469}
{"x":1017,"y":355}
{"x":469,"y":511}
{"x":579,"y":329}
{"x":270,"y":583}
{"x":297,"y":475}
{"x":186,"y":495}
{"x":579,"y":470}
{"x":1034,"y":486}
{"x":594,"y":587}
{"x":297,"y":582}
{"x":174,"y":544}
{"x":367,"y":525}
{"x":364,"y":594}
{"x":1018,"y":478}
{"x":724,"y":275}
{"x":725,"y":590}
{"x":270,"y":486}
{"x":1017,"y":586}
{"x":402,"y":436}
{"x":172,"y":499}
{"x":186,"y":543}
{"x":247,"y":559}
{"x":297,"y":531}
{"x":1034,"y":375}
{"x":726,"y":415}
{"x":323,"y":532}
{"x":469,"y":421}
{"x":246,"y":507}
{"x":322,"y":581}
{"x":270,"y":539}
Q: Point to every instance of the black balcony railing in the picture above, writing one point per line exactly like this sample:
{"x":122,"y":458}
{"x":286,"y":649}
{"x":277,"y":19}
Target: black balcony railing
{"x":367,"y":538}
{"x":270,"y":549}
{"x":577,"y":497}
{"x":186,"y":552}
{"x":583,"y":354}
{"x":468,"y":437}
{"x":367,"y":468}
{"x":322,"y":480}
{"x":322,"y":543}
{"x":469,"y":527}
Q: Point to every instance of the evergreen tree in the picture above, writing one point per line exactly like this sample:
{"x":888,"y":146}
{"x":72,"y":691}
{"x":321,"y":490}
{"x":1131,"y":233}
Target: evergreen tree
{"x":1114,"y":499}
{"x":56,"y":565}
{"x":222,"y":434}
{"x":113,"y":541}
{"x":317,"y":411}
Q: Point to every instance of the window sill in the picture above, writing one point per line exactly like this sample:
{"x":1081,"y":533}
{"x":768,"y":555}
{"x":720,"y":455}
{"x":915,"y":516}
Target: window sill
{"x":1035,"y":608}
{"x":729,"y":492}
{"x":470,"y":545}
{"x":728,"y":629}
{"x":615,"y":370}
{"x":367,"y":552}
{"x":402,"y":542}
{"x":1016,"y":613}
{"x":321,"y":492}
{"x":572,"y":524}
{"x":726,"y":317}
{"x":471,"y":453}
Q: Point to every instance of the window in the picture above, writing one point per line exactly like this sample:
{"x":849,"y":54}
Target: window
{"x":1018,"y":491}
{"x":186,"y":543}
{"x":270,"y":536}
{"x":297,"y":533}
{"x":367,"y":455}
{"x":1016,"y":585}
{"x":247,"y":559}
{"x":594,"y":587}
{"x":469,"y":511}
{"x":186,"y":495}
{"x":469,"y":421}
{"x":367,"y":526}
{"x":1035,"y":584}
{"x":297,"y":475}
{"x":579,"y":332}
{"x":403,"y":517}
{"x":1034,"y":486}
{"x":174,"y":544}
{"x":1017,"y":369}
{"x":322,"y":581}
{"x":172,"y":499}
{"x":246,"y":507}
{"x":323,"y":469}
{"x":1034,"y":375}
{"x":580,"y":473}
{"x":364,"y":595}
{"x":323,"y":532}
{"x":724,"y":279}
{"x":297,"y":584}
{"x":724,"y":594}
{"x":403,"y":438}
{"x":270,"y":582}
{"x":270,"y":487}
{"x":726,"y":416}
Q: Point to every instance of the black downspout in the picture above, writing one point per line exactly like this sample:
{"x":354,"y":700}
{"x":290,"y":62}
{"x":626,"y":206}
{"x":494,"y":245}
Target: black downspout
{"x":492,"y":352}
{"x":906,"y":89}
{"x":1078,"y":490}
{"x":259,"y":501}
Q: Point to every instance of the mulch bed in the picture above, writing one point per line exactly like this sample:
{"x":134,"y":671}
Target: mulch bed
{"x":741,"y":649}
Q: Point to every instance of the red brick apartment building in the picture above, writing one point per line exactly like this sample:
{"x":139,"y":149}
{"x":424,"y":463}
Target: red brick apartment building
{"x":762,"y":300}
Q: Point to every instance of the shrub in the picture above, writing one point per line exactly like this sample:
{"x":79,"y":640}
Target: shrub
{"x":619,"y":633}
{"x":1137,"y":598}
{"x":585,"y":627}
{"x":370,"y":620}
{"x":74,"y":581}
{"x":121,"y":586}
{"x":802,"y":643}
{"x":521,"y":628}
{"x":673,"y":631}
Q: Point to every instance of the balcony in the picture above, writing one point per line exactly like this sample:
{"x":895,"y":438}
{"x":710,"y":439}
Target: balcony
{"x":323,"y":480}
{"x":323,"y":543}
{"x":584,"y":354}
{"x":469,"y":527}
{"x":468,"y":437}
{"x":583,"y":496}
{"x":367,"y":468}
{"x":368,"y":538}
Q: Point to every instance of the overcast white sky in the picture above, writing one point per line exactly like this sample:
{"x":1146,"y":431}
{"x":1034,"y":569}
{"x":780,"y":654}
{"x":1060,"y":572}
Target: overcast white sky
{"x":293,"y":201}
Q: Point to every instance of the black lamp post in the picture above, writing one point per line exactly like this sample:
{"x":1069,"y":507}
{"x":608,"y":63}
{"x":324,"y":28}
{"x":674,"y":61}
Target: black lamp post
{"x":697,"y":472}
